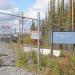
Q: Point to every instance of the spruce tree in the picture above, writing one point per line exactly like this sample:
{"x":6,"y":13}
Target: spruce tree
{"x":70,"y":15}
{"x":74,"y":15}
{"x":33,"y":28}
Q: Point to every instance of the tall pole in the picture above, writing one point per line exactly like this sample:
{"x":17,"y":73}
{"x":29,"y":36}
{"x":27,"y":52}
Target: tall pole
{"x":38,"y":23}
{"x":72,"y":15}
{"x":22,"y":28}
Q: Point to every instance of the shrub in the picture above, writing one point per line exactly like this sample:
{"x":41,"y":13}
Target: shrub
{"x":33,"y":57}
{"x":43,"y":60}
{"x":54,"y":67}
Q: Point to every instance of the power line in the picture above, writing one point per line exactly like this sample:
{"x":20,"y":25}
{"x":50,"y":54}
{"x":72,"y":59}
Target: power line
{"x":17,"y":15}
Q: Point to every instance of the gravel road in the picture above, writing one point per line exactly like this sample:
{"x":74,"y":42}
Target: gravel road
{"x":7,"y":60}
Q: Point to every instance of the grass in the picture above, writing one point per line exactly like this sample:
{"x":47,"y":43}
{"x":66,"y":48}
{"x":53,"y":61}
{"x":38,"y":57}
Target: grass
{"x":25,"y":60}
{"x":63,"y":65}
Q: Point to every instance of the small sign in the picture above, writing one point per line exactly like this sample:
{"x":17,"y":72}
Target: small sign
{"x":56,"y":53}
{"x":45,"y":51}
{"x":15,"y":35}
{"x":5,"y":29}
{"x":34,"y":35}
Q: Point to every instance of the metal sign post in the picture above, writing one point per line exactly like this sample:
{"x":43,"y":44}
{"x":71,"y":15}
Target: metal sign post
{"x":38,"y":23}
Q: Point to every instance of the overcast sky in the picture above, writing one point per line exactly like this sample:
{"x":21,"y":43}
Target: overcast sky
{"x":29,"y":7}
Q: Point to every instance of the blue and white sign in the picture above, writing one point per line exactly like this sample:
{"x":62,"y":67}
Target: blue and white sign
{"x":63,"y":37}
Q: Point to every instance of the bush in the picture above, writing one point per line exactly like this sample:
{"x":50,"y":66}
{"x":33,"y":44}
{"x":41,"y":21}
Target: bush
{"x":72,"y":58}
{"x":42,"y":61}
{"x":62,"y":54}
{"x":54,"y":67}
{"x":22,"y":60}
{"x":33,"y":57}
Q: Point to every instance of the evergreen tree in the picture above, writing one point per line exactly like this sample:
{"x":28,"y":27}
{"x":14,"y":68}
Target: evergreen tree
{"x":60,"y":20}
{"x":33,"y":28}
{"x":74,"y":14}
{"x":70,"y":15}
{"x":43,"y":33}
{"x":52,"y":15}
{"x":67,"y":17}
{"x":61,"y":14}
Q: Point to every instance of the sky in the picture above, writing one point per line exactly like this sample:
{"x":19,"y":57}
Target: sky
{"x":24,"y":4}
{"x":30,"y":8}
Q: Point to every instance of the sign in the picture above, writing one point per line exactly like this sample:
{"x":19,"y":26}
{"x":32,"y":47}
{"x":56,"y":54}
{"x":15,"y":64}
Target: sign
{"x":45,"y":51}
{"x":63,"y":37}
{"x":56,"y":53}
{"x":15,"y":35}
{"x":5,"y":29}
{"x":34,"y":35}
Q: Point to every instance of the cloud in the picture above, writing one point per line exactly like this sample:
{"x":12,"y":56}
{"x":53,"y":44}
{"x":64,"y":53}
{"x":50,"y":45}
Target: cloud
{"x":39,"y":6}
{"x":7,"y":6}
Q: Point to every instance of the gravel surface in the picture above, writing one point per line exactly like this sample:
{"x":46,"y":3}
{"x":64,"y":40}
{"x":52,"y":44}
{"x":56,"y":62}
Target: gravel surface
{"x":7,"y":60}
{"x":13,"y":71}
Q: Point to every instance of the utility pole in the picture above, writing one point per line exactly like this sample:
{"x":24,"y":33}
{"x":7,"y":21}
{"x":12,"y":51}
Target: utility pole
{"x":21,"y":28}
{"x":38,"y":23}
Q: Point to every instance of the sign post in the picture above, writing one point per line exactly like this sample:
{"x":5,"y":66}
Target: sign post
{"x":38,"y":23}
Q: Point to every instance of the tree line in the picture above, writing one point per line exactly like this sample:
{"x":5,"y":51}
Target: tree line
{"x":60,"y":17}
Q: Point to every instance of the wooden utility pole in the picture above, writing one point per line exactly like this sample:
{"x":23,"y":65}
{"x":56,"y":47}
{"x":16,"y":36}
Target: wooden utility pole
{"x":21,"y":28}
